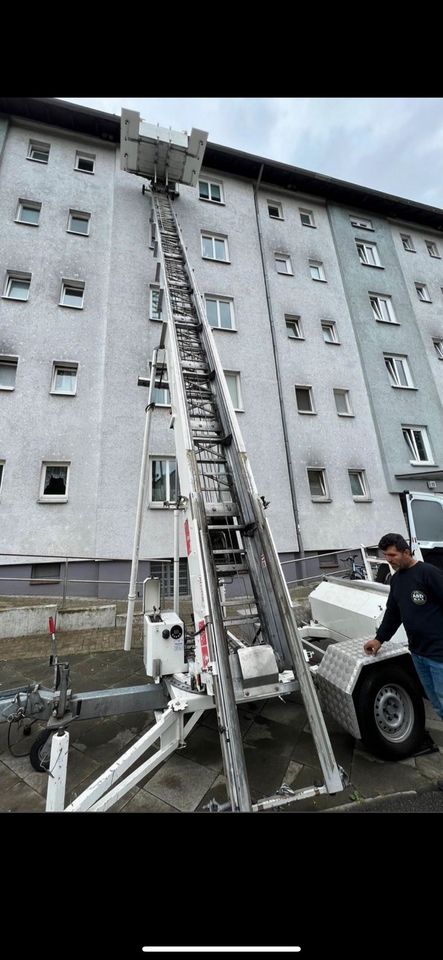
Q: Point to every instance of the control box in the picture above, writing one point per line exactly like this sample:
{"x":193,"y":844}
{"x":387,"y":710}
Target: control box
{"x":163,"y":644}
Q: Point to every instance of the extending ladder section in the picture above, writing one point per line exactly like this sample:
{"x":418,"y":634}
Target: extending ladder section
{"x":227,"y":533}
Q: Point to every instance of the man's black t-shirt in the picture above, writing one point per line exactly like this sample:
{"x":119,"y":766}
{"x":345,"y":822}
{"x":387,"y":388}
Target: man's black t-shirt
{"x":416,"y":600}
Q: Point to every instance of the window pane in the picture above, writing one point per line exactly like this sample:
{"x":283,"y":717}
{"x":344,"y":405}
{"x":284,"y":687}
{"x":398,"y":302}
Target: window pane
{"x":65,"y":379}
{"x":72,"y":296}
{"x":7,"y":374}
{"x":18,"y":289}
{"x":328,"y":333}
{"x":29,"y":214}
{"x":316,"y":484}
{"x":85,"y":163}
{"x":207,"y":247}
{"x":231,"y":381}
{"x":356,"y":485}
{"x":172,"y":480}
{"x":303,"y":399}
{"x":215,"y":192}
{"x":55,"y":481}
{"x":225,"y":315}
{"x":422,"y":455}
{"x":211,"y":312}
{"x":79,"y":224}
{"x":219,"y":249}
{"x":159,"y":480}
{"x":341,"y":401}
{"x":204,"y":189}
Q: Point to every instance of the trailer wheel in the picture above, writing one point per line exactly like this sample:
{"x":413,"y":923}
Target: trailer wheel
{"x":40,"y":752}
{"x":390,"y":712}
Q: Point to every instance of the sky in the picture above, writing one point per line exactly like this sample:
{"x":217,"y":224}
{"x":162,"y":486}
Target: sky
{"x":390,"y":144}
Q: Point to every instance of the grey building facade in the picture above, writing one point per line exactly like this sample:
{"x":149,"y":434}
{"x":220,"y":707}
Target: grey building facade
{"x":328,"y":327}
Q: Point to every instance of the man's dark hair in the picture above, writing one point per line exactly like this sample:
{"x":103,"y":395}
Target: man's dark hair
{"x":394,"y":540}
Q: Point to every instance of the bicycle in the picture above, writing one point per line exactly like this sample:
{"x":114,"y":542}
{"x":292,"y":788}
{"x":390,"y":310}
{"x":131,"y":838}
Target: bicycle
{"x":357,"y":571}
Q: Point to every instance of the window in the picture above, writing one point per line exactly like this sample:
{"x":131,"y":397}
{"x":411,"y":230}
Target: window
{"x":64,"y":378}
{"x":418,"y":444}
{"x":210,"y":190}
{"x":155,"y":303}
{"x":85,"y":162}
{"x":438,"y":344}
{"x":423,"y":292}
{"x":2,"y":465}
{"x":72,"y":294}
{"x":362,"y":223}
{"x":45,"y":573}
{"x":220,"y":312}
{"x":164,"y":571}
{"x":275,"y":210}
{"x":160,"y":394}
{"x":358,"y":483}
{"x":342,"y":404}
{"x":368,"y":254}
{"x":304,"y":399}
{"x":28,"y":212}
{"x":54,"y":482}
{"x":78,"y":222}
{"x":432,"y":249}
{"x":17,"y":286}
{"x":8,"y":372}
{"x":283,"y":263}
{"x":317,"y":271}
{"x":214,"y":248}
{"x":164,"y":485}
{"x":382,"y":308}
{"x":317,"y":484}
{"x":233,"y":383}
{"x":306,"y":217}
{"x":398,"y":371}
{"x":38,"y":151}
{"x":407,"y":242}
{"x":293,"y":327}
{"x":329,"y":330}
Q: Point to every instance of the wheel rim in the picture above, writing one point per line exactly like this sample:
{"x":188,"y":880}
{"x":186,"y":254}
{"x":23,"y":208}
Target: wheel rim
{"x":394,"y":713}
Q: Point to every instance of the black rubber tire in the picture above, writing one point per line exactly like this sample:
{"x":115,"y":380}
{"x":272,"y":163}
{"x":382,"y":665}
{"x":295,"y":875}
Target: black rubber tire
{"x":390,"y":711}
{"x":40,"y":752}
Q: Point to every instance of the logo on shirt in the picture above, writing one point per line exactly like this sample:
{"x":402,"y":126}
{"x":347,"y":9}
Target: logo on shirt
{"x":418,"y":597}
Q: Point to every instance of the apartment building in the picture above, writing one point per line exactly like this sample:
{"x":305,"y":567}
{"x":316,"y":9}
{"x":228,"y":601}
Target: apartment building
{"x":326,"y":305}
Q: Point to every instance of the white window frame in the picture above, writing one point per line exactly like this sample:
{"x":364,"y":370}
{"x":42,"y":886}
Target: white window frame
{"x":2,"y":473}
{"x":382,"y":310}
{"x":162,"y":504}
{"x":38,"y":146}
{"x":395,"y":363}
{"x":71,"y":285}
{"x":332,"y":326}
{"x":361,"y":475}
{"x":361,"y":223}
{"x":343,"y":392}
{"x":28,"y":205}
{"x":83,"y":155}
{"x":317,"y":265}
{"x":325,"y":496}
{"x":368,"y":254}
{"x":52,"y":497}
{"x":210,"y":184}
{"x":213,"y":237}
{"x":214,"y":298}
{"x":154,"y":312}
{"x":408,"y":243}
{"x":16,"y":276}
{"x":58,"y":365}
{"x":432,"y":249}
{"x":411,"y":443}
{"x":423,"y":293}
{"x":277,"y":206}
{"x":308,"y":389}
{"x":79,"y":215}
{"x":6,"y":361}
{"x":283,"y":258}
{"x":293,"y":322}
{"x":235,"y":374}
{"x":308,"y":214}
{"x":438,"y":346}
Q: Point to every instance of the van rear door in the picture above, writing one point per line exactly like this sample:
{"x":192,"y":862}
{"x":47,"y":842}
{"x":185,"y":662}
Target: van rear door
{"x":425,"y":519}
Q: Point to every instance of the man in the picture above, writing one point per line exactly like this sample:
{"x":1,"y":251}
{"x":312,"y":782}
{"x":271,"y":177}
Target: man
{"x":416,"y":600}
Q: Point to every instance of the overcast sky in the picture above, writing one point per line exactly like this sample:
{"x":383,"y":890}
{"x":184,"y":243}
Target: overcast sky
{"x":390,"y":144}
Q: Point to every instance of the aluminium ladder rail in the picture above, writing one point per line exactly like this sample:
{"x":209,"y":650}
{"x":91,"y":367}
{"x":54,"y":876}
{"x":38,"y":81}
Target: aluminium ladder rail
{"x":227,"y":533}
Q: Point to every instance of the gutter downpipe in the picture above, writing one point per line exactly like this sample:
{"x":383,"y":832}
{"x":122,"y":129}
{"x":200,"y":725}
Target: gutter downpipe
{"x":279,"y":385}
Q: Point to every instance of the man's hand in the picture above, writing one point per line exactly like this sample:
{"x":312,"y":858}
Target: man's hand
{"x":372,"y":646}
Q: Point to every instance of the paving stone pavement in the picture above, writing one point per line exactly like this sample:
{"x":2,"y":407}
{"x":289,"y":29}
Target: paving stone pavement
{"x":277,"y":741}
